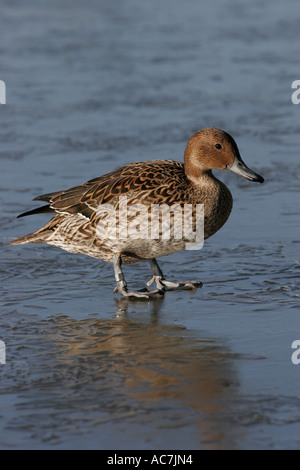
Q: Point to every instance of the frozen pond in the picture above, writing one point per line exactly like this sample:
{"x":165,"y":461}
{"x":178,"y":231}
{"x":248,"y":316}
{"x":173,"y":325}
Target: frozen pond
{"x":95,"y":85}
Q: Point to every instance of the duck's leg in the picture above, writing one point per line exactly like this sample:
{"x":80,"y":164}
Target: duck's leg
{"x":163,"y":284}
{"x":121,"y":286}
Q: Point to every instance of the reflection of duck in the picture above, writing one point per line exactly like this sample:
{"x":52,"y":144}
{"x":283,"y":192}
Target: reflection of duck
{"x":155,"y":378}
{"x":74,"y":226}
{"x":123,"y":304}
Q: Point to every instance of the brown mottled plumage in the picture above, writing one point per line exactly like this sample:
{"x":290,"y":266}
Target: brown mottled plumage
{"x":162,"y":182}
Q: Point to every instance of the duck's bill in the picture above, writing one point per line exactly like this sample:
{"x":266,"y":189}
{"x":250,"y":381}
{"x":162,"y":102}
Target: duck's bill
{"x":239,"y":167}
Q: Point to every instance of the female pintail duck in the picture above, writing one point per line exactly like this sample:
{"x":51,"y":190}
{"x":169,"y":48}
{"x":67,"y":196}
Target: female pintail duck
{"x":82,"y":223}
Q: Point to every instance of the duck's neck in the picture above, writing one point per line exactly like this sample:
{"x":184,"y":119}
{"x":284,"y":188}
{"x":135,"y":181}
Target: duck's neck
{"x":194,"y":170}
{"x":198,"y":176}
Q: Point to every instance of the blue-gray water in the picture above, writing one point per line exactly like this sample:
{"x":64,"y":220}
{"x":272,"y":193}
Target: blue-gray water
{"x":94,"y":85}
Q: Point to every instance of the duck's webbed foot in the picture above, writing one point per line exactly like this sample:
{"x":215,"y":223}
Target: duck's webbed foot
{"x":163,"y":284}
{"x":145,"y":293}
{"x":121,"y":286}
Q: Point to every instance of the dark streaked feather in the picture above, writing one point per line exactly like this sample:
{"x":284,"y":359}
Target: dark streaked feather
{"x":39,"y":210}
{"x":161,"y":176}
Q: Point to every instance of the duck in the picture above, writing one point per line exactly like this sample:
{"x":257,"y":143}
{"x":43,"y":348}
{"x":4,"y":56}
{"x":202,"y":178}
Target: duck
{"x":85,"y":217}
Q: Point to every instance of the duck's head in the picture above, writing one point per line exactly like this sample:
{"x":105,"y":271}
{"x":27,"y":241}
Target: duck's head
{"x":213,"y":148}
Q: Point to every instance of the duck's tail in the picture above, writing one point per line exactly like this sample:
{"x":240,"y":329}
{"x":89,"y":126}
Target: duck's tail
{"x":34,"y":237}
{"x":40,"y":236}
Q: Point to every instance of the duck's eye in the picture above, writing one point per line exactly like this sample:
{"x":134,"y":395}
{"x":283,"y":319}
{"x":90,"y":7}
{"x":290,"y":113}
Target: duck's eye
{"x":218,"y":146}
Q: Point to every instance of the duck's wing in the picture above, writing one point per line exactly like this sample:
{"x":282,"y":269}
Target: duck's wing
{"x":157,"y":181}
